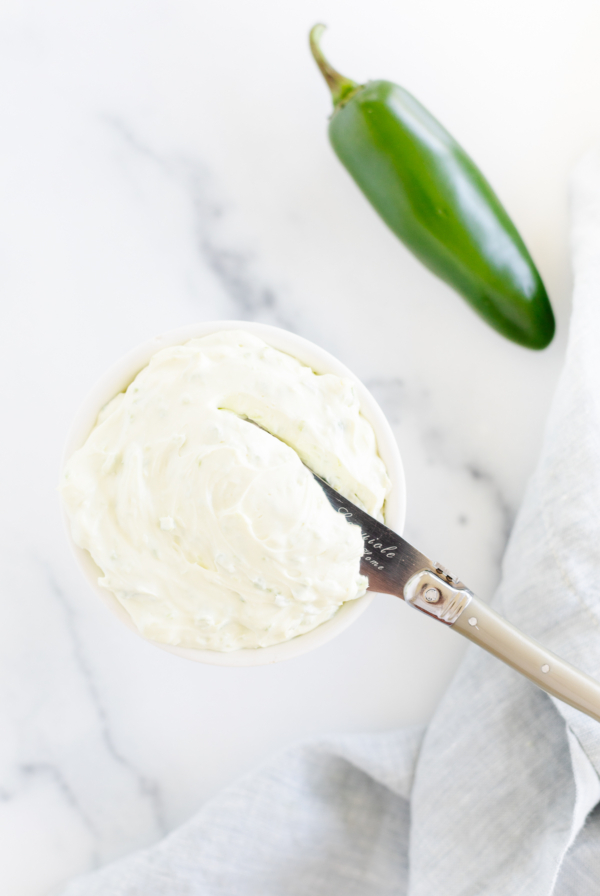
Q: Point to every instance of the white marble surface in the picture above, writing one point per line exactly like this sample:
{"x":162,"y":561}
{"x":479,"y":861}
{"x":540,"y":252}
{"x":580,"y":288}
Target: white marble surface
{"x":167,"y":162}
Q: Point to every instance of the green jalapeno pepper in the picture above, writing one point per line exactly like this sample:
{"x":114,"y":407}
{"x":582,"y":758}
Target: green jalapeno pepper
{"x":435,"y":199}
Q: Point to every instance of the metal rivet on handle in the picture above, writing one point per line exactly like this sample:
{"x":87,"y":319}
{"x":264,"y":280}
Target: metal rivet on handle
{"x":432,"y":595}
{"x":473,"y":620}
{"x":545,"y":668}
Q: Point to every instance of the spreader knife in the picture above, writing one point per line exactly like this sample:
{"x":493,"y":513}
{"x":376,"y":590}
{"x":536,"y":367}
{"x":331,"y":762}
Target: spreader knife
{"x":393,"y":566}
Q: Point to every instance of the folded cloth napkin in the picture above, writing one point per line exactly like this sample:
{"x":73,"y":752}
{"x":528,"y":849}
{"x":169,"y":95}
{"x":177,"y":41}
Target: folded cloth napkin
{"x":497,"y":796}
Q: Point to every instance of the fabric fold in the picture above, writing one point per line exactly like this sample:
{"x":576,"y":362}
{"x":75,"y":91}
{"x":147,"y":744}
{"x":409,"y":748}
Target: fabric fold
{"x":328,"y":817}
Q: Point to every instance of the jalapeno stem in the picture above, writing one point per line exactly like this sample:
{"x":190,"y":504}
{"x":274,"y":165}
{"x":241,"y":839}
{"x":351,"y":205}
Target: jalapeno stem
{"x":342,"y":88}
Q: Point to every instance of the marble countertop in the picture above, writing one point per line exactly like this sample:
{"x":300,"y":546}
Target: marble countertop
{"x":164,"y":163}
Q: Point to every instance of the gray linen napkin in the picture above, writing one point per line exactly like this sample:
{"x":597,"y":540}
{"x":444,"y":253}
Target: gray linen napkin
{"x":497,"y":796}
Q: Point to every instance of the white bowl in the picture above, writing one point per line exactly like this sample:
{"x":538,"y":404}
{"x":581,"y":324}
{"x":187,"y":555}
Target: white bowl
{"x":120,"y":375}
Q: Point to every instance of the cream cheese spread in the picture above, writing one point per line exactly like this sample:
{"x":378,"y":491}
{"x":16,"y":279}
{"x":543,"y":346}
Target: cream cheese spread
{"x":209,"y":530}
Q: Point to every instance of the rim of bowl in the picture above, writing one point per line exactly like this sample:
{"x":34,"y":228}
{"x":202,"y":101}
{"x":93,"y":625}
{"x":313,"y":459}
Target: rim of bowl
{"x":120,"y":375}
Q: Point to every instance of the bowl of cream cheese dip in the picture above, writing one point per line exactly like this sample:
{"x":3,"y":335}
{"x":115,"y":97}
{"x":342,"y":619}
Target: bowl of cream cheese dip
{"x":206,"y":534}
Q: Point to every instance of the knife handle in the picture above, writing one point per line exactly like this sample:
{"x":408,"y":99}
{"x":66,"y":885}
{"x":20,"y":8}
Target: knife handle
{"x":442,"y":596}
{"x":482,"y":625}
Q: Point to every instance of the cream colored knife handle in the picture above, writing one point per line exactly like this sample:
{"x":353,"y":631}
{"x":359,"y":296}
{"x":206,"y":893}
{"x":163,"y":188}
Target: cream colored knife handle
{"x":452,"y":603}
{"x":481,"y":624}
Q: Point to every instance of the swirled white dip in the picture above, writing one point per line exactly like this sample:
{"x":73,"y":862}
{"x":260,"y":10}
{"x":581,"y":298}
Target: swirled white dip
{"x":210,"y":531}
